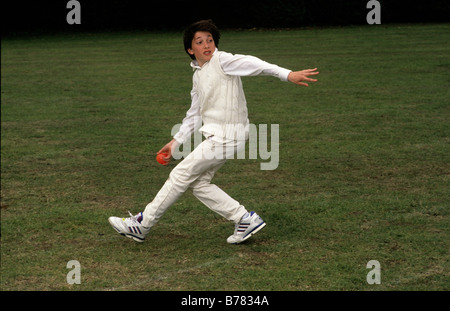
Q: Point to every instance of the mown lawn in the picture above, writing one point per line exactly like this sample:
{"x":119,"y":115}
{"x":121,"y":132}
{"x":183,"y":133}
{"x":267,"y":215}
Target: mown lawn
{"x":363,"y":172}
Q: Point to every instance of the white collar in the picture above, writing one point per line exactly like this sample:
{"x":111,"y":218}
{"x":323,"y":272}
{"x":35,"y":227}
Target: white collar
{"x":195,"y":65}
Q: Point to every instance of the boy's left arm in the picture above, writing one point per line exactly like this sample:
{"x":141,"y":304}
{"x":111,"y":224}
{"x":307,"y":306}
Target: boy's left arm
{"x":298,"y":77}
{"x":247,"y":65}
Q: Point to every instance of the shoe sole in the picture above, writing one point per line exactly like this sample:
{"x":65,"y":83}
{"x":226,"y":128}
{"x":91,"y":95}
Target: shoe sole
{"x":135,"y":238}
{"x":250,"y":234}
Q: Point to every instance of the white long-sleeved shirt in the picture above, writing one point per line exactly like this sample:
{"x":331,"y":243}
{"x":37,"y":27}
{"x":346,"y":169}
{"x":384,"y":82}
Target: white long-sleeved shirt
{"x":234,"y":65}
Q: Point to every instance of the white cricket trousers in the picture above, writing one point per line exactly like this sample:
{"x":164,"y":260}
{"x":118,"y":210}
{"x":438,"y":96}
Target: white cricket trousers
{"x":196,"y":172}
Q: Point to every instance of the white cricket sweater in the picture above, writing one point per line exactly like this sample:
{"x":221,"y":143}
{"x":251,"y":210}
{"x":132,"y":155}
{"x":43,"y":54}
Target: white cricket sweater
{"x":218,"y":97}
{"x":223,"y":107}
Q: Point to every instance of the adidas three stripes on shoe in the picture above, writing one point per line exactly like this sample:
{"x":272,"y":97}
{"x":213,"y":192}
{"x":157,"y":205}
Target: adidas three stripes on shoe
{"x":130,"y":227}
{"x":249,"y":224}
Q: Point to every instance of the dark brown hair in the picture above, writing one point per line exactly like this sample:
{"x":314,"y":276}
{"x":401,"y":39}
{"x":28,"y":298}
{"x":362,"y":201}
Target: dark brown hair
{"x":203,"y":25}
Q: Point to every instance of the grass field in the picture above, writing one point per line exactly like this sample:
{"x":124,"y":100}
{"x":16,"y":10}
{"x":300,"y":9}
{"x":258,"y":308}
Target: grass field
{"x":363,"y":174}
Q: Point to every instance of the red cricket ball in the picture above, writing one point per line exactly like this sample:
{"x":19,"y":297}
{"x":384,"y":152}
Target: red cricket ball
{"x":159,"y":158}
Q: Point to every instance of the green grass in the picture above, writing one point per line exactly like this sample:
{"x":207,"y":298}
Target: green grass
{"x":363,"y":174}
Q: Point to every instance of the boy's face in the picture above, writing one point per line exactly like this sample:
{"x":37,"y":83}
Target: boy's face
{"x":202,"y":47}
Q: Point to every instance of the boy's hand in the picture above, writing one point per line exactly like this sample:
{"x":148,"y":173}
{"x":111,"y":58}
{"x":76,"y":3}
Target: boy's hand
{"x":168,"y":149}
{"x":298,"y":76}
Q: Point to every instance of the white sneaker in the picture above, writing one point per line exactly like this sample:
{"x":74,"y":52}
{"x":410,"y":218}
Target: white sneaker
{"x":249,"y":224}
{"x":130,"y":227}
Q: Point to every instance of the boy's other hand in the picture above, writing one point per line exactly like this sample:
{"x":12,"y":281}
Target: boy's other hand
{"x":167,"y":149}
{"x":298,"y":77}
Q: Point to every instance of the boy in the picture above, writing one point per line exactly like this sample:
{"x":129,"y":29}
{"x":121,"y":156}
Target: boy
{"x":218,"y":98}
